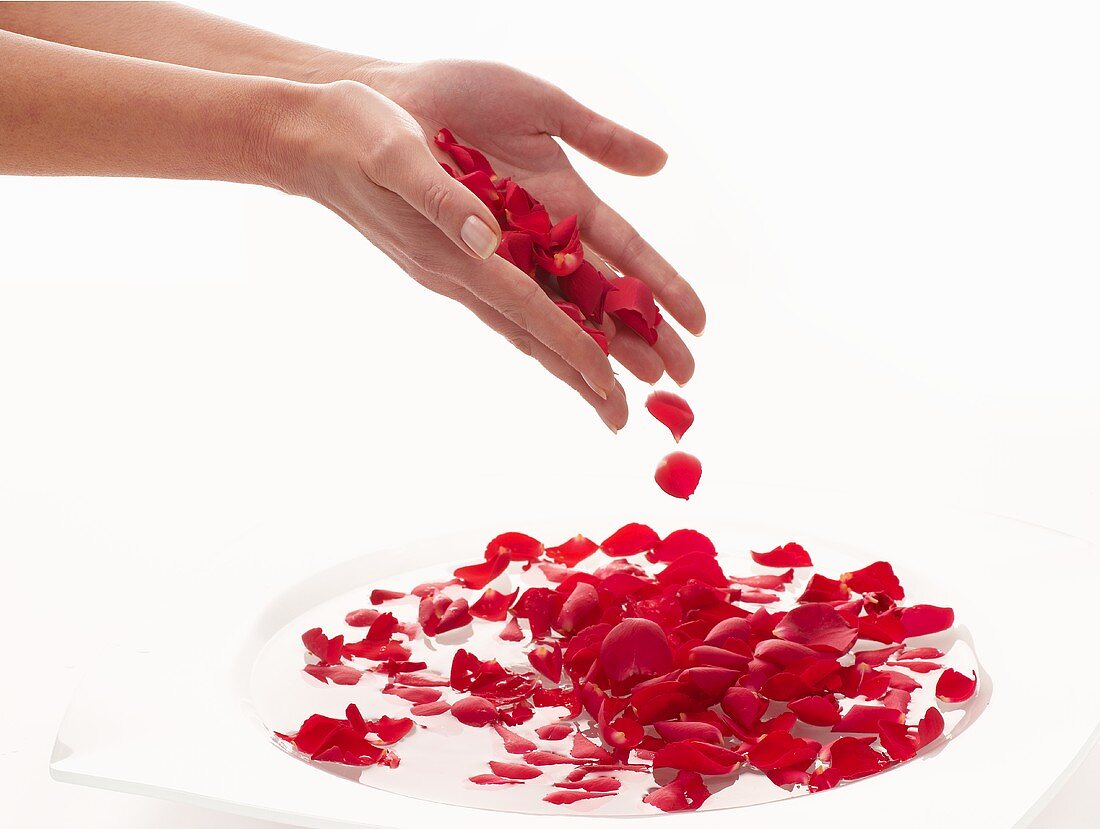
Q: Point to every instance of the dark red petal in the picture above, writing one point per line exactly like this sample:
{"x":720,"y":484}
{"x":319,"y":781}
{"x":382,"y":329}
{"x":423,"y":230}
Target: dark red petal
{"x":672,"y":411}
{"x":678,"y":474}
{"x":823,"y":589}
{"x":955,"y":687}
{"x":675,"y":730}
{"x":546,"y":660}
{"x":518,"y":248}
{"x":631,"y":303}
{"x":390,"y":729}
{"x":514,"y":771}
{"x":635,"y":649}
{"x":630,"y":540}
{"x":584,"y":749}
{"x":455,"y":616}
{"x":922,"y":619}
{"x":572,"y":552}
{"x":467,"y":158}
{"x":587,"y":288}
{"x":379,"y":596}
{"x":788,"y":555}
{"x":876,"y":658}
{"x":930,"y":728}
{"x":819,"y":626}
{"x":685,"y":793}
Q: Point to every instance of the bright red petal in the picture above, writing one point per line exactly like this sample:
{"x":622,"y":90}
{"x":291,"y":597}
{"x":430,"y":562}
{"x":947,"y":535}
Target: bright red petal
{"x":672,"y":411}
{"x":678,"y":474}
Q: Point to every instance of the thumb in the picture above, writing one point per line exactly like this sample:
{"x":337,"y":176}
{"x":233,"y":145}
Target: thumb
{"x":446,"y":203}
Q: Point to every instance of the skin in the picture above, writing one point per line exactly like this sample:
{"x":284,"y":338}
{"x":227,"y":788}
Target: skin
{"x":221,"y":100}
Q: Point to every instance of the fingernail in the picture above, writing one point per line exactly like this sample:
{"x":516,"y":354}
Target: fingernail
{"x":478,"y":237}
{"x":614,"y":429}
{"x":595,"y":388}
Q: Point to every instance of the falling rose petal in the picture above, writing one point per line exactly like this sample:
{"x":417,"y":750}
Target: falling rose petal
{"x":430,"y":709}
{"x":380,"y":596}
{"x":564,"y":798}
{"x":475,"y":711}
{"x":513,"y":742}
{"x":922,"y":619}
{"x":672,"y":411}
{"x":572,"y":552}
{"x":685,"y":793}
{"x":788,"y":555}
{"x":953,"y":687}
{"x":630,"y":540}
{"x":514,"y":771}
{"x":631,"y":303}
{"x":493,"y":780}
{"x":516,"y":546}
{"x":819,"y":626}
{"x":678,"y":474}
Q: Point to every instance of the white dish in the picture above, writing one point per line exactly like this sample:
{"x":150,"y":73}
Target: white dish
{"x":180,"y":721}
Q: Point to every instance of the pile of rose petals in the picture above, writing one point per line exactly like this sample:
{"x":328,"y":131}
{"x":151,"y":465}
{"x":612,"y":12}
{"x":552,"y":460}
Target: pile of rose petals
{"x":649,"y":659}
{"x":552,"y":254}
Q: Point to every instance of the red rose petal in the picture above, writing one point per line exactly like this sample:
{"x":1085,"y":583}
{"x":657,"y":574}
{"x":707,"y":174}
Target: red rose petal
{"x":336,"y":674}
{"x":379,"y":596}
{"x":554,"y":731}
{"x":953,"y":686}
{"x":922,"y":619}
{"x":681,"y":543}
{"x":476,"y":576}
{"x":685,"y":793}
{"x":513,"y":742}
{"x":631,"y":303}
{"x":516,"y":546}
{"x":866,"y":719}
{"x":635,"y":649}
{"x":414,"y":695}
{"x":586,"y":288}
{"x":672,"y":411}
{"x":875,"y":578}
{"x":475,"y":711}
{"x":511,"y":631}
{"x":630,"y":540}
{"x":572,"y":552}
{"x":518,"y":248}
{"x":678,"y":474}
{"x":564,"y":798}
{"x":493,"y":780}
{"x":788,"y":555}
{"x":548,"y":758}
{"x":430,"y":709}
{"x":493,"y":605}
{"x":514,"y":771}
{"x":361,"y":618}
{"x":819,"y":626}
{"x":822,"y":710}
{"x":468,"y":159}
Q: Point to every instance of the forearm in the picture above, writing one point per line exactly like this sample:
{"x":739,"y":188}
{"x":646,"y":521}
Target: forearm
{"x":69,"y":111}
{"x":177,"y":34}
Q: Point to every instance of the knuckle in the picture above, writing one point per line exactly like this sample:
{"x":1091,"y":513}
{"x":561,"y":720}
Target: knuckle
{"x":437,"y":197}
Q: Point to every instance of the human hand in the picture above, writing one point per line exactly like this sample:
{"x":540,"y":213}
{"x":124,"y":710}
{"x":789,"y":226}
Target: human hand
{"x":353,"y":150}
{"x":512,"y":117}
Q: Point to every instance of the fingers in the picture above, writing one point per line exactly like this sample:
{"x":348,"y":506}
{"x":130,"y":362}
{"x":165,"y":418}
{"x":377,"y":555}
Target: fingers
{"x":604,"y":141}
{"x":522,"y":300}
{"x":411,"y":171}
{"x":669,"y":354}
{"x":612,"y":409}
{"x":621,"y":245}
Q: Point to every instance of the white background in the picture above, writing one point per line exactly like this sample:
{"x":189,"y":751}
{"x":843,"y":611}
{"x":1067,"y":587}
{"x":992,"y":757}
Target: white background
{"x":890,"y":210}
